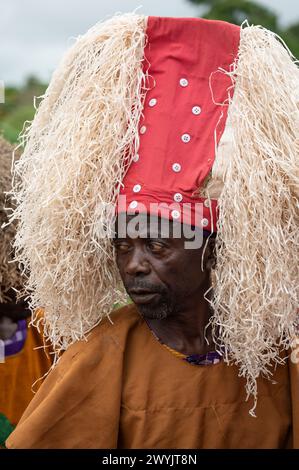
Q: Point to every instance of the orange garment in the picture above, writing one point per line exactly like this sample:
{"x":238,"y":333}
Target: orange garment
{"x":123,"y":389}
{"x":19,"y":372}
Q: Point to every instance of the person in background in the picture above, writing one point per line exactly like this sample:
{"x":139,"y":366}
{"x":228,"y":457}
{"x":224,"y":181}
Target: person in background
{"x":21,"y":364}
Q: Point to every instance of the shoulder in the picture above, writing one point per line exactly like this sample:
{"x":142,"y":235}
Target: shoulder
{"x":108,"y":337}
{"x":117,"y":325}
{"x":88,"y":375}
{"x":119,"y":320}
{"x":89,"y":361}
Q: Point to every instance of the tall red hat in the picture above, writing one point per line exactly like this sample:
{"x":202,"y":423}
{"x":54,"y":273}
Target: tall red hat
{"x":183,"y":119}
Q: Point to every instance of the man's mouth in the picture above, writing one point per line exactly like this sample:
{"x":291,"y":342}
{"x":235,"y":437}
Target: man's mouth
{"x":142,"y":296}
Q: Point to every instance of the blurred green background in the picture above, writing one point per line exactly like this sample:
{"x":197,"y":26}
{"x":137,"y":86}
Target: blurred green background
{"x":18,"y":106}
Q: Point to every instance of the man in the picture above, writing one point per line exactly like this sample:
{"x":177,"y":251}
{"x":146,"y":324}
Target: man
{"x":137,"y":115}
{"x":20,"y":365}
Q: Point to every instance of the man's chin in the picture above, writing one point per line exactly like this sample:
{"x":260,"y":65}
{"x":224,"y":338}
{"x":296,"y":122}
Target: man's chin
{"x":153,"y":312}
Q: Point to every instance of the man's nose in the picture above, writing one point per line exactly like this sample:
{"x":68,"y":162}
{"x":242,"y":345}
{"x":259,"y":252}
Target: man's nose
{"x":138,"y":263}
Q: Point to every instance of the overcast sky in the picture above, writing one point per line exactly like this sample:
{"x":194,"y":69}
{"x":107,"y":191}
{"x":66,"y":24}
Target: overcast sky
{"x":34,"y":33}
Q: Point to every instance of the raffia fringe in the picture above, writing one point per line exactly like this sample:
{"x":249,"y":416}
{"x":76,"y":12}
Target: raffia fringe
{"x":256,"y":277}
{"x":74,"y":160}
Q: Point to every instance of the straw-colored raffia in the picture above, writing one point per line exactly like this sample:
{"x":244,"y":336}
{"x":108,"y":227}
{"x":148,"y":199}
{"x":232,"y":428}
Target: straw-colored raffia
{"x":74,"y":160}
{"x":256,"y":278}
{"x":10,"y":276}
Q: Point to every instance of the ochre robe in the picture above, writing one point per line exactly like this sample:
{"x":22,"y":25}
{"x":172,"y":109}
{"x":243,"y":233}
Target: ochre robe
{"x":124,"y":389}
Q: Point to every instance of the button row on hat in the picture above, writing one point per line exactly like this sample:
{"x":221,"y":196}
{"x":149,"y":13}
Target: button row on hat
{"x":135,"y":159}
{"x":174,"y":213}
{"x":196,"y":110}
{"x":142,"y":130}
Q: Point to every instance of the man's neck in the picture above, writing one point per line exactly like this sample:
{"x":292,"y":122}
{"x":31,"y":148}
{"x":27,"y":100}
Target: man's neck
{"x":186,"y":329}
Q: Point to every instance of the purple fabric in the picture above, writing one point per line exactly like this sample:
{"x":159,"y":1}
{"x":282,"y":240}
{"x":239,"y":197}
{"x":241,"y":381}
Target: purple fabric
{"x":208,"y":359}
{"x":16,"y":343}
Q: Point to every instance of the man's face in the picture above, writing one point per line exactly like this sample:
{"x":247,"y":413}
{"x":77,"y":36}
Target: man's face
{"x":158,"y":272}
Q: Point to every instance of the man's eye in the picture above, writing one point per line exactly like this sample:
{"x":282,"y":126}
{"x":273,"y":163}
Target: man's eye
{"x":156,"y":247}
{"x":122,"y":247}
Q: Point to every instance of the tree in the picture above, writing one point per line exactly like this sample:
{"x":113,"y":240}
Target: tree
{"x":236,"y":11}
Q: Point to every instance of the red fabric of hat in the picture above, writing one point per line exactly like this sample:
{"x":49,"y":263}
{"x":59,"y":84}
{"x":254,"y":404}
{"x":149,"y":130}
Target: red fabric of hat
{"x":183,"y":120}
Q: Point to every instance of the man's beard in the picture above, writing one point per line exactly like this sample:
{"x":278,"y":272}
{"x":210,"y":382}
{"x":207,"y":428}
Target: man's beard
{"x":159,"y":309}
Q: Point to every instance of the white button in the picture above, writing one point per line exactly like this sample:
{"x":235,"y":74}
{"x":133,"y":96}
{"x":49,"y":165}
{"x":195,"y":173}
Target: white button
{"x":143,"y":130}
{"x":176,"y":167}
{"x":183,"y":82}
{"x":175,"y":214}
{"x":178,"y":197}
{"x":186,"y":138}
{"x":135,"y":158}
{"x":133,"y":204}
{"x":204,"y":222}
{"x":196,"y":110}
{"x":206,"y":203}
{"x":152,"y":102}
{"x":136,"y":188}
